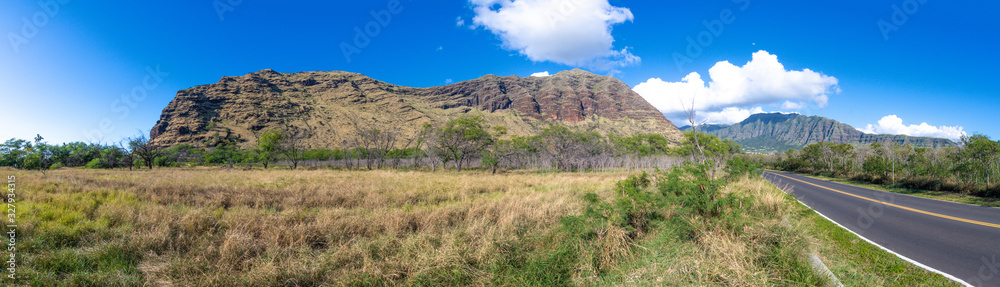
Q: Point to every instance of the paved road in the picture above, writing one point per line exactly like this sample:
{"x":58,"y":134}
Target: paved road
{"x":959,"y":240}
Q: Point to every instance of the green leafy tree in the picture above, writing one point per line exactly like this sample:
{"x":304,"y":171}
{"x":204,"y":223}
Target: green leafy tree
{"x":641,"y":145}
{"x":12,"y":152}
{"x":461,"y":139}
{"x":978,"y":155}
{"x":268,"y":146}
{"x":503,"y":150}
{"x":707,"y":145}
{"x":37,"y":157}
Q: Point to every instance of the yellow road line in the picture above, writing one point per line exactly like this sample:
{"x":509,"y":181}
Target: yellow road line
{"x":899,"y":206}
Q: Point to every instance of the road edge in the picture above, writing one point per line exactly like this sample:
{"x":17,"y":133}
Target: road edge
{"x":884,"y":189}
{"x":907,"y":259}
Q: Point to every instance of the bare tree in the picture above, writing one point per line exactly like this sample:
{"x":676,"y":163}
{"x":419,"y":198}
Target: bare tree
{"x":691,"y":114}
{"x":293,"y":144}
{"x":423,"y":137}
{"x":128,"y":153}
{"x":376,"y":138}
{"x":145,"y":150}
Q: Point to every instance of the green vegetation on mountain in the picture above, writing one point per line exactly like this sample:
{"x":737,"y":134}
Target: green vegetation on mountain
{"x":778,"y":132}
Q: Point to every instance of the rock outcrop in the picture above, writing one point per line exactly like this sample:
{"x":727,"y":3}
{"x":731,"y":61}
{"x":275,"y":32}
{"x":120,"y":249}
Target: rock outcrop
{"x":325,"y":103}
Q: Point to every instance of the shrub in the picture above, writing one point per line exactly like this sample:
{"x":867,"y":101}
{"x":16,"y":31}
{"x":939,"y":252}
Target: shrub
{"x":739,"y":166}
{"x":96,"y":163}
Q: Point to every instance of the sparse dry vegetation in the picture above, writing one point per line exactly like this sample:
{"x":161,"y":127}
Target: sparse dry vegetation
{"x":221,"y":227}
{"x":211,"y":227}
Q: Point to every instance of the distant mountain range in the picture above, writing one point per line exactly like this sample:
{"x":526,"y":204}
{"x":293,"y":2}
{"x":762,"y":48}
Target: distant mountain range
{"x":326,"y":104}
{"x":777,"y":132}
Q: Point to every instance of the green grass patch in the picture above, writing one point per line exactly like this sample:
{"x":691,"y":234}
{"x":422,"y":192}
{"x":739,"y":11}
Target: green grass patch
{"x":859,"y":263}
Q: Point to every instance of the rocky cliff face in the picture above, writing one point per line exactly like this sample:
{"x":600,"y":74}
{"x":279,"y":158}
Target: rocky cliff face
{"x":778,"y":131}
{"x":238,"y":108}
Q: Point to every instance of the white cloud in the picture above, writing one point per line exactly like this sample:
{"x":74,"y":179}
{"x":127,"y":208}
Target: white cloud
{"x":761,"y":81}
{"x":448,"y":81}
{"x":789,"y":105}
{"x":892,"y":124}
{"x":728,"y":116}
{"x":459,"y":21}
{"x":440,"y":48}
{"x":569,"y":32}
{"x":540,"y":74}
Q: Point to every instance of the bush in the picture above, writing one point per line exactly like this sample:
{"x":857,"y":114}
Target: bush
{"x":56,"y":165}
{"x":690,"y":186}
{"x":739,"y":166}
{"x":318,"y":154}
{"x":96,"y":163}
{"x":164,"y":161}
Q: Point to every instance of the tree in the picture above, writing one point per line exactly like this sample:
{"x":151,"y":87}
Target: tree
{"x":710,"y":146}
{"x":377,"y":138}
{"x":38,"y":155}
{"x":292,"y":144}
{"x":145,"y":150}
{"x":423,"y":138}
{"x":978,"y":153}
{"x":268,"y":146}
{"x":568,"y":149}
{"x":641,"y":145}
{"x":12,"y":152}
{"x":461,"y":139}
{"x":691,"y":115}
{"x":503,"y":149}
{"x":128,"y":153}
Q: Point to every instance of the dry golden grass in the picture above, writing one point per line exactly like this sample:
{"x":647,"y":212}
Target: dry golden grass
{"x":219,"y":227}
{"x":211,"y":227}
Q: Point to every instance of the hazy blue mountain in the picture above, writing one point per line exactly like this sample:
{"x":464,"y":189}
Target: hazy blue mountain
{"x":777,"y":131}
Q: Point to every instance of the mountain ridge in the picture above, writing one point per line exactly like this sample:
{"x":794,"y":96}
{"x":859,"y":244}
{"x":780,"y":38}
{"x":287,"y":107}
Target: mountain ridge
{"x":238,"y":108}
{"x":779,"y":131}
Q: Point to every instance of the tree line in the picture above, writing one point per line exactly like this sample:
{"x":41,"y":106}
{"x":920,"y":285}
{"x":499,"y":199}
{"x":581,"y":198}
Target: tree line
{"x":459,"y":144}
{"x":972,"y":167}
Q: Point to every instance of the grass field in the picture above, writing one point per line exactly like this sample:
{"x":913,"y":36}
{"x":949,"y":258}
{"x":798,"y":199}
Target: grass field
{"x":219,"y":227}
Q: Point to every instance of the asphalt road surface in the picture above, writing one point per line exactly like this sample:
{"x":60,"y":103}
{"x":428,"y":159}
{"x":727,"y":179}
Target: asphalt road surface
{"x":961,"y":241}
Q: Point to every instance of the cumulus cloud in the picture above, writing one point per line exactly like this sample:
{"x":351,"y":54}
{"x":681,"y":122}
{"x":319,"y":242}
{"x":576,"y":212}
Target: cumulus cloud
{"x":729,"y":115}
{"x":459,"y":21}
{"x":569,"y":32}
{"x":540,"y":74}
{"x":789,"y":105}
{"x":892,"y":124}
{"x":762,"y":81}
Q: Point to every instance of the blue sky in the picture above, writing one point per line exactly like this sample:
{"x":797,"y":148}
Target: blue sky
{"x":85,"y":71}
